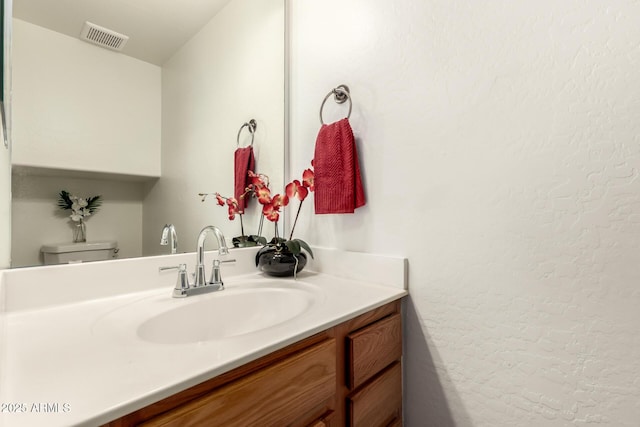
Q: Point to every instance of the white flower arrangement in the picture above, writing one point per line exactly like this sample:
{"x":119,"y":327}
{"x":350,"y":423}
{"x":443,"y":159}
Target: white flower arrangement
{"x":80,"y":207}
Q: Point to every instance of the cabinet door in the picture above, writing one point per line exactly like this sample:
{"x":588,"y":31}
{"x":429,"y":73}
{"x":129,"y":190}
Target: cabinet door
{"x":373,"y":348}
{"x":379,"y":403}
{"x":293,"y":391}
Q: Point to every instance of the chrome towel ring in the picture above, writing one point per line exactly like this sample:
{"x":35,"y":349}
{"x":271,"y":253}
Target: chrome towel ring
{"x":340,"y":94}
{"x":251,"y":125}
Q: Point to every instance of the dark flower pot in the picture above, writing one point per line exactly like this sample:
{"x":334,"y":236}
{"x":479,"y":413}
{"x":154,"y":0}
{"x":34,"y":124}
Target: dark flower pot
{"x":279,"y":261}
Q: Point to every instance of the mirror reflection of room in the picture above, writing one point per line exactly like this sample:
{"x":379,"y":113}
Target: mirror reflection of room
{"x":144,"y":127}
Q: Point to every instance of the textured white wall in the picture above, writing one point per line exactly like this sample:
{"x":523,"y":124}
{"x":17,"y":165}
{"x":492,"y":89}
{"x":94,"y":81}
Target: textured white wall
{"x":500,"y":145}
{"x":77,"y":106}
{"x":230,"y":72}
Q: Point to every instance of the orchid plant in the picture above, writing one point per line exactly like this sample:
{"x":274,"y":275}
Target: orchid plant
{"x":272,"y":205}
{"x":233,"y":209}
{"x":271,"y":209}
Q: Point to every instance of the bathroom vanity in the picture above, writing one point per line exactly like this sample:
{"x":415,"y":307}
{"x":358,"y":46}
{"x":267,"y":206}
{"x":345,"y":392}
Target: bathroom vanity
{"x":349,"y":374}
{"x":323,"y":350}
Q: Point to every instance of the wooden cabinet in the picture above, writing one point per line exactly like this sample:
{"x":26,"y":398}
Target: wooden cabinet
{"x":348,"y":375}
{"x":375,"y":373}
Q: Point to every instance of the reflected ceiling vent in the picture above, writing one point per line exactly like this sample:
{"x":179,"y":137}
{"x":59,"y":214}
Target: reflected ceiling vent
{"x":103,"y":37}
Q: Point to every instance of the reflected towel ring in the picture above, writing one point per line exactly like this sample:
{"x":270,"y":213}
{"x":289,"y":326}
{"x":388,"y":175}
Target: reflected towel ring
{"x":251,"y":125}
{"x":340,"y":94}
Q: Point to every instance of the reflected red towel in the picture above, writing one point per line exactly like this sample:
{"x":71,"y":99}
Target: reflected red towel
{"x":338,"y":186}
{"x":244,"y":161}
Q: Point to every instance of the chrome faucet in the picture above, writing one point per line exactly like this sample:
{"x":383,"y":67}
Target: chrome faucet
{"x":183,"y":288}
{"x":222,"y":250}
{"x":169,"y":232}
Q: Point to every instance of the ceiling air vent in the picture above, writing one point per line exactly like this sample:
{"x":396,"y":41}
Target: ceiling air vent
{"x":103,"y":37}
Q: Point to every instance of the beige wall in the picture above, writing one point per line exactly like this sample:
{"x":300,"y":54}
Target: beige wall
{"x":500,"y":153}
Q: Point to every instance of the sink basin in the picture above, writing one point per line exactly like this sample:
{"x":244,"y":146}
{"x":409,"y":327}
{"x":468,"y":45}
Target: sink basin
{"x":225,"y":314}
{"x":238,"y":310}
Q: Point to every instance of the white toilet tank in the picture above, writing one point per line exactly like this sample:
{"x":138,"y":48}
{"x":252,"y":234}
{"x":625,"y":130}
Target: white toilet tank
{"x":68,"y":253}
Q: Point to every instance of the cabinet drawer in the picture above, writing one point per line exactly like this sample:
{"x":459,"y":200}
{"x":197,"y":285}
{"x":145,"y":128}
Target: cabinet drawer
{"x":372,"y":348}
{"x":379,"y":403}
{"x":284,"y":393}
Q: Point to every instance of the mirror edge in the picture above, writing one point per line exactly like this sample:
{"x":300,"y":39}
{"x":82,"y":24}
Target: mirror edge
{"x":5,"y":157}
{"x":286,"y":167}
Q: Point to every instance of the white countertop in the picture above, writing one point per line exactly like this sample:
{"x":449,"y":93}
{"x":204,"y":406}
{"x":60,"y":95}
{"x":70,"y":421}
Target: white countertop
{"x":58,"y":368}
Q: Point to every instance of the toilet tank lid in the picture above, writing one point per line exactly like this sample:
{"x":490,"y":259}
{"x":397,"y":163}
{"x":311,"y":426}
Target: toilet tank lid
{"x":59,"y":248}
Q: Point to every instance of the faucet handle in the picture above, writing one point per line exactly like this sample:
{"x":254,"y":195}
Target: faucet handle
{"x":216,"y":276}
{"x":182,"y":284}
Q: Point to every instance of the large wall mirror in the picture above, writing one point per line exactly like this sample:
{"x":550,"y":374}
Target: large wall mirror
{"x":148,"y":127}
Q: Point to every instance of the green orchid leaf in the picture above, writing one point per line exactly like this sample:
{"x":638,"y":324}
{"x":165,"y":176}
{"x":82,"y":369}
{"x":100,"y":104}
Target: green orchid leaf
{"x":293,"y":246}
{"x":305,"y":246}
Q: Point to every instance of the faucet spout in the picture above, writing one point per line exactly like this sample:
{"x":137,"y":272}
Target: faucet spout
{"x":169,"y":231}
{"x":223,"y":249}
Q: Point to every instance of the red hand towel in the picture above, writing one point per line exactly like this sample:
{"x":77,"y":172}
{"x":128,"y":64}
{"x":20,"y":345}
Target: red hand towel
{"x":338,"y":186}
{"x":244,"y":161}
